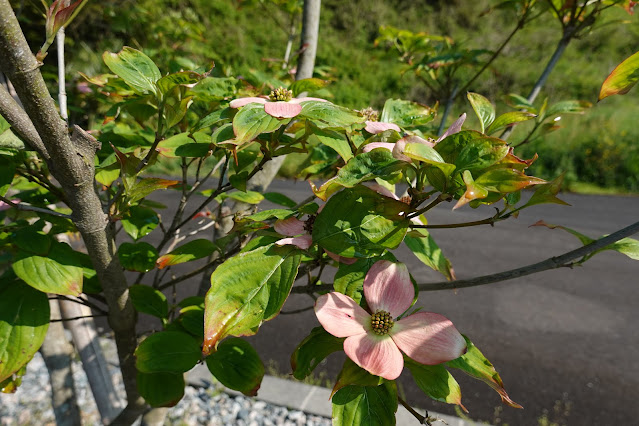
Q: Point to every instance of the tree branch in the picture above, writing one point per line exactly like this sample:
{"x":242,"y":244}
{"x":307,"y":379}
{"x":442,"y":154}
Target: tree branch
{"x":20,"y":122}
{"x":551,"y":263}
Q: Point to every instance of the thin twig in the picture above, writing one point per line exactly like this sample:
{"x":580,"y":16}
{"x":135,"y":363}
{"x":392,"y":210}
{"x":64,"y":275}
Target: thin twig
{"x":551,"y":263}
{"x":424,"y":420}
{"x":297,"y":311}
{"x":77,"y":318}
{"x":27,"y":207}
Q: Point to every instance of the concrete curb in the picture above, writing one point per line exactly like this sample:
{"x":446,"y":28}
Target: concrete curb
{"x":310,"y":399}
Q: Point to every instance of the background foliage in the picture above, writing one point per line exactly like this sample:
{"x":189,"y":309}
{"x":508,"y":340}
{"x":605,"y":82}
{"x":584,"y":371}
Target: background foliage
{"x":597,"y":149}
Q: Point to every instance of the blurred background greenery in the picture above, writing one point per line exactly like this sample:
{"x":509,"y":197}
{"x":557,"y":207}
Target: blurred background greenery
{"x":598,"y":151}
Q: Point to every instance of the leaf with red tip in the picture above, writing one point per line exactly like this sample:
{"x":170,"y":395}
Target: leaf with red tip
{"x":475,"y":364}
{"x":622,"y":78}
{"x":188,"y":252}
{"x":246,"y":290}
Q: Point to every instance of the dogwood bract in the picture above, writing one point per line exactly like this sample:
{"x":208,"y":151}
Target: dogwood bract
{"x":280,"y":103}
{"x":376,"y":341}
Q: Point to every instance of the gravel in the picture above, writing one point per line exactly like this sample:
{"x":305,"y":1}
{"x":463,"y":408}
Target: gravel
{"x":209,"y":406}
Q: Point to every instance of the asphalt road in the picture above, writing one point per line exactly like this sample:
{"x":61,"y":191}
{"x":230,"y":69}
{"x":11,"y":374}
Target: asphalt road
{"x":564,"y":341}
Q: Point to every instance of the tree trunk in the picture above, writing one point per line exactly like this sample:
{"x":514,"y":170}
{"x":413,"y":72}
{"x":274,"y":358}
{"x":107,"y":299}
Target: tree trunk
{"x":310,"y":33}
{"x":95,"y":366}
{"x":72,"y":166}
{"x":58,"y":353}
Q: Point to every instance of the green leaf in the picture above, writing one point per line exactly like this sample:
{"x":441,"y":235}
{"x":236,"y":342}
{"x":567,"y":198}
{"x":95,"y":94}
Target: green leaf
{"x":193,"y":250}
{"x":168,"y":82}
{"x":508,"y":119}
{"x":270,"y":214}
{"x":140,"y":221}
{"x":519,"y":102}
{"x":238,"y":180}
{"x":426,"y":249}
{"x":359,"y":222}
{"x":622,"y":78}
{"x":139,"y":257}
{"x":335,"y":140}
{"x":249,"y":197}
{"x":504,"y":180}
{"x":627,"y":246}
{"x":7,"y":171}
{"x":135,"y":68}
{"x":192,"y":320}
{"x":60,"y":272}
{"x":24,"y":320}
{"x":149,"y":301}
{"x":252,"y":121}
{"x":475,"y":364}
{"x":148,"y":185}
{"x":281,"y":199}
{"x":378,"y":163}
{"x":167,"y":352}
{"x":406,"y":114}
{"x":547,"y":193}
{"x":246,"y":290}
{"x":313,"y":350}
{"x":307,"y":85}
{"x":422,"y":152}
{"x":215,"y":118}
{"x":483,"y":108}
{"x":161,"y":389}
{"x":222,"y":134}
{"x":182,"y":145}
{"x":470,"y":150}
{"x":237,"y":366}
{"x":436,"y":382}
{"x":365,"y":406}
{"x":326,"y":114}
{"x":214,"y":89}
{"x":353,"y":374}
{"x":568,"y":107}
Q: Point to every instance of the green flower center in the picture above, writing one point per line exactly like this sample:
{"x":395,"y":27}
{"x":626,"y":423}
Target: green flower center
{"x":281,"y":94}
{"x":381,"y":322}
{"x":370,"y":114}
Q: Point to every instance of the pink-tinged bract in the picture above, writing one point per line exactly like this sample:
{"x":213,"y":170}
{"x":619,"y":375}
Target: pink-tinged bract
{"x":340,"y":315}
{"x":371,"y":146}
{"x":428,"y":338}
{"x":289,"y":227}
{"x":282,"y":109}
{"x":378,"y":355}
{"x":240,"y":102}
{"x":376,"y":127}
{"x":303,"y":241}
{"x":387,"y":287}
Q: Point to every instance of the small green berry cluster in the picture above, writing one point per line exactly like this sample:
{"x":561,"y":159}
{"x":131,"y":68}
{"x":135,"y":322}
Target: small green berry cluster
{"x":382,"y":322}
{"x":281,"y":94}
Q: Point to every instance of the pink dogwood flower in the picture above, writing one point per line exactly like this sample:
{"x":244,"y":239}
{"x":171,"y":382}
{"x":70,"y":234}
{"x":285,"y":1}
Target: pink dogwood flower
{"x":280,"y":103}
{"x":374,"y":126}
{"x":398,"y":147}
{"x":299,"y":235}
{"x":376,"y":341}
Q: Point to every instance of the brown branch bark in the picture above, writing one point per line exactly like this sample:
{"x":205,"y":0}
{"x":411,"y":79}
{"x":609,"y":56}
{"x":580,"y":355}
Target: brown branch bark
{"x":71,"y":163}
{"x":20,"y":122}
